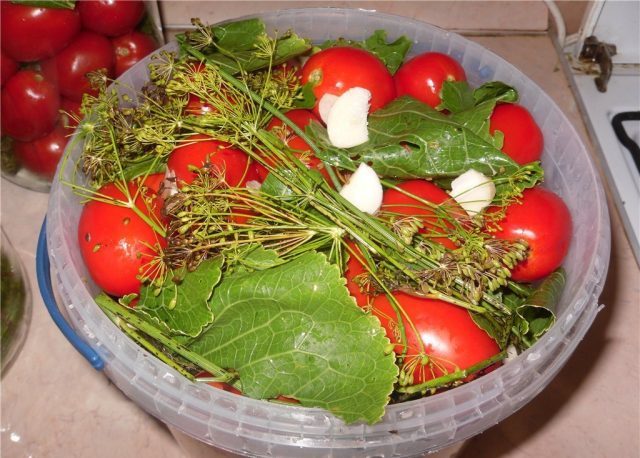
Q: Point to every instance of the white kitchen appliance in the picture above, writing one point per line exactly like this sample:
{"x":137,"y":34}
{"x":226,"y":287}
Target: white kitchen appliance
{"x":605,"y":68}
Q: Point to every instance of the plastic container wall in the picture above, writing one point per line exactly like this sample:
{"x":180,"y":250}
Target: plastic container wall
{"x":258,"y":428}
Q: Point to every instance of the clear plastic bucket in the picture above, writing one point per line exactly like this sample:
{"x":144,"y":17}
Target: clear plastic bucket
{"x":259,"y":428}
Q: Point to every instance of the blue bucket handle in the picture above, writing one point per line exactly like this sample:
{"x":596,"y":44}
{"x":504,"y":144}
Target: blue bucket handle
{"x":43,"y":274}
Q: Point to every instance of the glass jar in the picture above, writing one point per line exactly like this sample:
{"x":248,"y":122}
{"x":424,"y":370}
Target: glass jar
{"x":15,"y":304}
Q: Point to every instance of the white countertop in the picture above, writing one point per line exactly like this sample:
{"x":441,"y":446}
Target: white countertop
{"x":55,"y":405}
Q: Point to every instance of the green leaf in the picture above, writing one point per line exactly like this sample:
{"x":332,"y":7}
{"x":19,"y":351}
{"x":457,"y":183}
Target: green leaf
{"x":238,"y":35}
{"x":409,"y":139}
{"x":149,"y":165}
{"x":537,"y":312}
{"x":242,"y":45}
{"x":251,"y":258}
{"x":391,"y":54}
{"x":59,"y":4}
{"x":456,"y":96}
{"x":273,"y":186}
{"x":181,"y":304}
{"x":475,"y":112}
{"x":251,"y":59}
{"x":294,"y":330}
{"x":496,"y":91}
{"x":306,"y":98}
{"x":498,"y":328}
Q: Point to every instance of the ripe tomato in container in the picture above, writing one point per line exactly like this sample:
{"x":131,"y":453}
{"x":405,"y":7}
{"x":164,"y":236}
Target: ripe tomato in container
{"x":8,"y":67}
{"x":422,"y":76}
{"x":130,"y":48}
{"x":30,"y":105}
{"x":116,"y":244}
{"x":31,"y":33}
{"x":335,"y":70}
{"x":440,"y":337}
{"x":355,"y":272}
{"x":541,"y":219}
{"x":200,"y":150}
{"x":41,"y":156}
{"x":397,"y":204}
{"x":523,"y":139}
{"x":111,"y":17}
{"x":68,"y":69}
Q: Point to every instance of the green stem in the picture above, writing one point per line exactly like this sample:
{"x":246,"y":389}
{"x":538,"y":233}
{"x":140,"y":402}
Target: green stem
{"x":145,"y":343}
{"x":451,"y":377}
{"x":130,"y":317}
{"x":268,"y":106}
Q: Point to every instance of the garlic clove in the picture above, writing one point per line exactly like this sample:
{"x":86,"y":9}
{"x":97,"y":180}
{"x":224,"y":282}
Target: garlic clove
{"x":324,"y":106}
{"x":364,"y":190}
{"x":347,"y":119}
{"x":473,"y":191}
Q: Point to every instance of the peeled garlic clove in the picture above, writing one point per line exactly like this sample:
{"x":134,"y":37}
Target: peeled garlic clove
{"x":324,"y":106}
{"x":347,"y":119}
{"x":364,"y":190}
{"x":473,"y":191}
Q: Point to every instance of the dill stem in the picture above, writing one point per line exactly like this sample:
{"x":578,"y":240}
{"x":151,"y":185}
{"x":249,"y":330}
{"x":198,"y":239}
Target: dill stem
{"x":269,"y":107}
{"x":452,"y":377}
{"x":109,"y":305}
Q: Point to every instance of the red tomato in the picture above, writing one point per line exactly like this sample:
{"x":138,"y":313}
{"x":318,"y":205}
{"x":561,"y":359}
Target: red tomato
{"x":301,"y":118}
{"x":41,"y":156}
{"x":31,"y":33}
{"x":30,"y":106}
{"x":111,"y":17}
{"x":70,"y":107}
{"x":542,"y":219}
{"x":151,"y":187}
{"x":335,"y":70}
{"x":116,"y":244}
{"x":284,"y":69}
{"x":353,"y":272}
{"x":197,"y":106}
{"x":8,"y":67}
{"x":131,"y":48}
{"x":68,"y":69}
{"x":422,"y":76}
{"x":445,"y":339}
{"x":397,"y":204}
{"x":523,"y":140}
{"x":225,"y":387}
{"x":202,"y":149}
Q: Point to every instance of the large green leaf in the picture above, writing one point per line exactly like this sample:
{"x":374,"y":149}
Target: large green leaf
{"x":181,"y":304}
{"x":238,"y":35}
{"x":409,"y":139}
{"x":294,"y":330}
{"x":474,"y":111}
{"x":244,"y":45}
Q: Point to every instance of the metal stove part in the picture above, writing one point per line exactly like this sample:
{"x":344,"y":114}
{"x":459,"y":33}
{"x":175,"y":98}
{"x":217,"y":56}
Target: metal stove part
{"x":618,"y":166}
{"x":629,"y":143}
{"x":601,"y":53}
